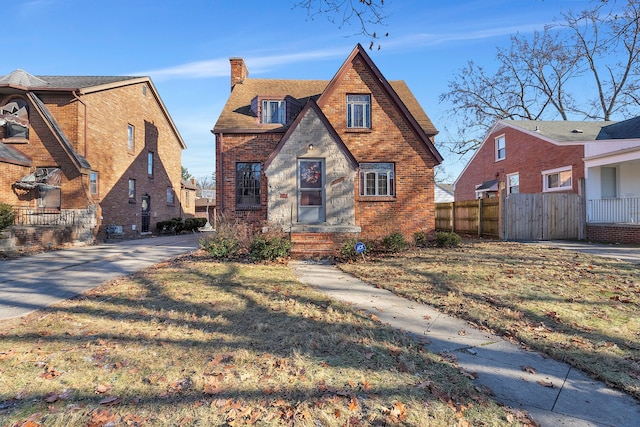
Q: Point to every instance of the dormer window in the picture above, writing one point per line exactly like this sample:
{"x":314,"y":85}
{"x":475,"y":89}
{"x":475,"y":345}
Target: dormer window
{"x":274,"y":111}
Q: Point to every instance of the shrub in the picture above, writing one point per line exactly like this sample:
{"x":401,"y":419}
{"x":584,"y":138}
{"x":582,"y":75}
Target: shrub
{"x":447,"y":239}
{"x":394,"y":242}
{"x":6,"y":216}
{"x":265,"y":248}
{"x":193,"y":224}
{"x":421,"y":239}
{"x":221,"y":247}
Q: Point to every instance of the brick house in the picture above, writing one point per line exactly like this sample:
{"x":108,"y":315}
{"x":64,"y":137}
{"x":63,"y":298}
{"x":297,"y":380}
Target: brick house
{"x":556,"y":156}
{"x":322,"y":158}
{"x":79,"y":154}
{"x":527,"y":156}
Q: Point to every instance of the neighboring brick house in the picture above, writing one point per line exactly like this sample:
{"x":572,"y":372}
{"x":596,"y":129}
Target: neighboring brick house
{"x":85,"y":153}
{"x":353,"y":154}
{"x":527,"y":156}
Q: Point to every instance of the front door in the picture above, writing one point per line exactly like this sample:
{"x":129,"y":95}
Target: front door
{"x":146,"y":205}
{"x":311,"y":203}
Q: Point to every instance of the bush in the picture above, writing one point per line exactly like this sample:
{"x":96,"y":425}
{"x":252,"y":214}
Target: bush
{"x":394,"y":242}
{"x":193,"y":224}
{"x":6,"y":216}
{"x":421,"y":239}
{"x":220,"y":246}
{"x":447,"y":239}
{"x":265,"y":248}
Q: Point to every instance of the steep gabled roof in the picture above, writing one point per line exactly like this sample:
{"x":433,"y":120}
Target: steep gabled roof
{"x":237,"y":117}
{"x":20,"y":80}
{"x":312,"y":105}
{"x":416,"y":116}
{"x":80,"y":162}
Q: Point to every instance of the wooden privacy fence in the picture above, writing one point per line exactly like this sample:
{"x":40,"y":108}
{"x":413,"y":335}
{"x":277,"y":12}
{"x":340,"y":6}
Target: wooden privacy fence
{"x":480,"y":217}
{"x":541,"y":216}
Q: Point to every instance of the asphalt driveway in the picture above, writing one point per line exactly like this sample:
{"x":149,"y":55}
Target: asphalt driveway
{"x":35,"y":282}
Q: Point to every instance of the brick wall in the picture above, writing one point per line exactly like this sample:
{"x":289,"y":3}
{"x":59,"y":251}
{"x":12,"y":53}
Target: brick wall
{"x":234,"y":148}
{"x":390,"y":139}
{"x":623,"y":234}
{"x":526,"y":155}
{"x":109,"y":113}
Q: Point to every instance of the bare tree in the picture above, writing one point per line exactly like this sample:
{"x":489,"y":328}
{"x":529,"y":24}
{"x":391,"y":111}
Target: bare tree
{"x":366,"y":15}
{"x":207,"y":182}
{"x":585,"y":66}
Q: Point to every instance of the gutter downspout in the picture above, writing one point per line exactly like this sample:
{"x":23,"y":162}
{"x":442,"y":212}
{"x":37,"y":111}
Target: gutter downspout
{"x":219,"y":173}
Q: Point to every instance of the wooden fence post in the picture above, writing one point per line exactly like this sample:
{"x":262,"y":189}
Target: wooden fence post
{"x":480,"y":217}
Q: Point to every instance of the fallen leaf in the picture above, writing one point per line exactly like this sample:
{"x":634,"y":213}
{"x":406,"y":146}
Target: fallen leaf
{"x":529,"y":369}
{"x":103,"y":388}
{"x":353,"y":404}
{"x":110,"y":400}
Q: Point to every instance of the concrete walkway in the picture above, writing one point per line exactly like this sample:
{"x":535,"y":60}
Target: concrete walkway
{"x":574,"y":400}
{"x":34,"y":282}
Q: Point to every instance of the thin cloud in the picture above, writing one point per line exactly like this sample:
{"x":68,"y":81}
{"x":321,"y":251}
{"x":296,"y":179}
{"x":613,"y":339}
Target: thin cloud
{"x":220,"y":67}
{"x":434,"y":39}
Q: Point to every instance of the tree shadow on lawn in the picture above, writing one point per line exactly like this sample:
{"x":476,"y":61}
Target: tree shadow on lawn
{"x":607,"y":356}
{"x":193,"y":340}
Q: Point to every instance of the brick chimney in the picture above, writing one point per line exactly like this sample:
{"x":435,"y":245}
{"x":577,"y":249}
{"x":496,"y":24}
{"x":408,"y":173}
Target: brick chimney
{"x":239,"y":71}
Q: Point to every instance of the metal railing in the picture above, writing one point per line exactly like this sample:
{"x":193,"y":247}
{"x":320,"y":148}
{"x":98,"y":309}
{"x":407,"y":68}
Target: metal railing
{"x":30,"y":216}
{"x":614,"y":211}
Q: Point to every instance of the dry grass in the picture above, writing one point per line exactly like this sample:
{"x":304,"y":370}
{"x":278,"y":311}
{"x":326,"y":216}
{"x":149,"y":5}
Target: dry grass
{"x":196,"y":342}
{"x":574,"y":307}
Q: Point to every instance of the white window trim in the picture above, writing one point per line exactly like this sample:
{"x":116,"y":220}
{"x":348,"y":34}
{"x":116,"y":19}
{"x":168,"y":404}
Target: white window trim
{"x":267,"y":118}
{"x":388,"y":168}
{"x":496,"y":150}
{"x":131,"y":138}
{"x":546,"y":173}
{"x":508,"y":182}
{"x":366,"y":111}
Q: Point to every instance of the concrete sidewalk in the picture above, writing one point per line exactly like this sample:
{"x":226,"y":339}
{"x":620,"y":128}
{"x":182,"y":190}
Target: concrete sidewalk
{"x":574,"y":400}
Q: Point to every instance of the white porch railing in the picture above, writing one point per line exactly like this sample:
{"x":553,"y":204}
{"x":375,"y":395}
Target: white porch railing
{"x":614,"y":211}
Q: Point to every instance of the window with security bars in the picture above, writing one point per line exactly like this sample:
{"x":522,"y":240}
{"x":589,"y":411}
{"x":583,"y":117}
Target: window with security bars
{"x":248,"y":182}
{"x":377,"y":179}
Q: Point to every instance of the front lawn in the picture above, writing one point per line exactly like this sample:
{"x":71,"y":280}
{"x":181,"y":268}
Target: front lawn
{"x":575,"y":307}
{"x":198,"y":342}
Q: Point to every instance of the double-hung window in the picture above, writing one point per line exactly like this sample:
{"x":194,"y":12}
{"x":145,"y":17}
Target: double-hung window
{"x":93,"y":183}
{"x":132,"y":190}
{"x":557,"y":179}
{"x":130,"y":138}
{"x":150,"y":164}
{"x":377,"y":179}
{"x":358,"y":111}
{"x":248,"y":182}
{"x":170,"y":196}
{"x":501,"y":152}
{"x":513,"y":183}
{"x":274,"y":111}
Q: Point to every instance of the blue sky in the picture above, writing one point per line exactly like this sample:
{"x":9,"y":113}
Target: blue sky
{"x":185,"y":46}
